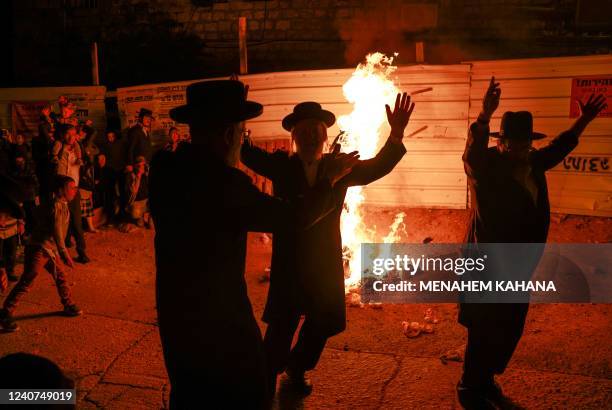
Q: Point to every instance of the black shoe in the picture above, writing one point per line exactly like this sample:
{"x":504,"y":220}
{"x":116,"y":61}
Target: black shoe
{"x":7,"y":322}
{"x":298,"y":382}
{"x":494,"y":392}
{"x":272,"y":386}
{"x":12,"y":277}
{"x":473,"y":398}
{"x":82,"y":258}
{"x":72,"y":310}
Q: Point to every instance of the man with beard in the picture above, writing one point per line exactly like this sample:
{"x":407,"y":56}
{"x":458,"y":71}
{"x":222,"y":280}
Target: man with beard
{"x":307,"y":275}
{"x":203,"y":207}
{"x":139,"y":138}
{"x":509,"y":205}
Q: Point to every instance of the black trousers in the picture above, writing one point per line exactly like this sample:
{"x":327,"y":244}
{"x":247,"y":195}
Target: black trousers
{"x":491,"y":344}
{"x":213,"y":370}
{"x":29,"y":208}
{"x":110,"y":201}
{"x":305,"y":354}
{"x":8,"y":253}
{"x":76,"y":224}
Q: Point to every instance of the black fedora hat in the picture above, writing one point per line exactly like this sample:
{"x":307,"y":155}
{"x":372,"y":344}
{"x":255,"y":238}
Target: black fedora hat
{"x":517,"y":126}
{"x":308,"y":110}
{"x":220,"y":101}
{"x":145,"y":112}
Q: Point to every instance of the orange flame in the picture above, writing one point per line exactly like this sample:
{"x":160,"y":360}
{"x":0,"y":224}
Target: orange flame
{"x":369,"y":89}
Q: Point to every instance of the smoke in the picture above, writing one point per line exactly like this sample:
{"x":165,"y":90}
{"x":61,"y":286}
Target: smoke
{"x":451,"y":31}
{"x":386,"y":26}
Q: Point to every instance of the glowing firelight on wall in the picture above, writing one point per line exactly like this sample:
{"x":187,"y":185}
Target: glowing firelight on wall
{"x":369,"y":89}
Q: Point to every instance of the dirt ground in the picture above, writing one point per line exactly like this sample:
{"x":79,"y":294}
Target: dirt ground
{"x":113,"y":351}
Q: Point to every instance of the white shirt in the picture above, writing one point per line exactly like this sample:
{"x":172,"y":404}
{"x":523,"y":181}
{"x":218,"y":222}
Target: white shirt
{"x":71,"y":166}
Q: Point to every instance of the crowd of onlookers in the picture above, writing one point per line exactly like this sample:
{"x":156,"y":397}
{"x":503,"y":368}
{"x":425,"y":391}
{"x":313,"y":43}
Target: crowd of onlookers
{"x":110,"y":172}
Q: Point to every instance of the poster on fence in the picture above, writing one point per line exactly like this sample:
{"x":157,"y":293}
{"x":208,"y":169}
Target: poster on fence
{"x":20,"y":107}
{"x":159,"y":98}
{"x":25,"y":116}
{"x":583,"y":87}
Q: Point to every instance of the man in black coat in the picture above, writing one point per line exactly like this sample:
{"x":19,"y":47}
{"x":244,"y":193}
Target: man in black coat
{"x":203,"y":208}
{"x":307,"y":274}
{"x":510,"y":204}
{"x":139,"y":139}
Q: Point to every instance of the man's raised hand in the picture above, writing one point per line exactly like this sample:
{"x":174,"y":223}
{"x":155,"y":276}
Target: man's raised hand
{"x":399,"y":117}
{"x":593,"y":106}
{"x":490,"y":102}
{"x":338,"y":164}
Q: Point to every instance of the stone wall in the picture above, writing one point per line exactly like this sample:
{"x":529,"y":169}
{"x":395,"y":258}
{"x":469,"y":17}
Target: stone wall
{"x":164,"y":40}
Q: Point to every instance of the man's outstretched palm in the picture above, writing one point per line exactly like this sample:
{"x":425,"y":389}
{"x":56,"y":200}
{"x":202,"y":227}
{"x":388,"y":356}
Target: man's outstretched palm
{"x":593,"y":106}
{"x":399,"y":117}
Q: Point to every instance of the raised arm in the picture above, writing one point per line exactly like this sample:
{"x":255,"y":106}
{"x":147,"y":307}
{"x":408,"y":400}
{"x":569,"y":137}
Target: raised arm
{"x":552,"y":154}
{"x":389,"y":156}
{"x":262,"y":162}
{"x":259,"y":212}
{"x":475,"y":154}
{"x":370,"y":170}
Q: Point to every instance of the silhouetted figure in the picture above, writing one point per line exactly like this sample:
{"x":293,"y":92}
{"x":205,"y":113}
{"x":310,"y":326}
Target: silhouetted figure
{"x":23,"y":173}
{"x":307,"y":275}
{"x":203,"y":207}
{"x":509,"y":205}
{"x":28,"y":371}
{"x":105,"y":194}
{"x":114,"y":151}
{"x":11,"y":226}
{"x":139,"y":139}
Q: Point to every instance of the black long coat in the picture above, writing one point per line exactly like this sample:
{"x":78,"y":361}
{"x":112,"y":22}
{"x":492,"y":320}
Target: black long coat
{"x":138,"y":144}
{"x":203,"y":210}
{"x":502,"y":210}
{"x":307,"y":275}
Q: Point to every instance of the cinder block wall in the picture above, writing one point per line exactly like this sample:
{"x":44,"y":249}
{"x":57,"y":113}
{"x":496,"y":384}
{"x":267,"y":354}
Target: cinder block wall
{"x":166,"y":40}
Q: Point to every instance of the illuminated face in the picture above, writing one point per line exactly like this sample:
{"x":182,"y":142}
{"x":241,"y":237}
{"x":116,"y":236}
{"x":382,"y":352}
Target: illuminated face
{"x":67,"y":111}
{"x":309,"y":136}
{"x":101,"y":160}
{"x":69,"y":191}
{"x":19,"y":139}
{"x":110,"y":136}
{"x":46,"y":111}
{"x":71,"y":136}
{"x":175,"y":136}
{"x":146,"y":121}
{"x":20,"y":162}
{"x":514,"y":149}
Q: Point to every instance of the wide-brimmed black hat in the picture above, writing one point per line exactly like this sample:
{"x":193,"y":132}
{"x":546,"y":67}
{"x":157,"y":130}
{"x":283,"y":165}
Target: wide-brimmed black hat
{"x":308,"y":110}
{"x":219,"y":101}
{"x":145,"y":112}
{"x":517,"y":126}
